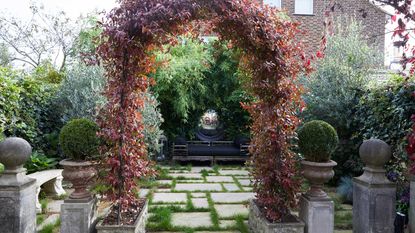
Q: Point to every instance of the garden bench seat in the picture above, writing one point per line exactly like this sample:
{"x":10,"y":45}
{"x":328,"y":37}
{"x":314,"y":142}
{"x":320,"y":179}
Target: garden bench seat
{"x":50,"y":181}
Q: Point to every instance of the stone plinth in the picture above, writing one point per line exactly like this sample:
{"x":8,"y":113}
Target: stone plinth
{"x":259,"y":224}
{"x":412,"y":206}
{"x":17,"y":191}
{"x":318,"y":215}
{"x":78,"y":215}
{"x":374,"y":196}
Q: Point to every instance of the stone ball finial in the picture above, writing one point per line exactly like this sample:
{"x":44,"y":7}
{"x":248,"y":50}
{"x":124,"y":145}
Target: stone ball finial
{"x":14,"y":152}
{"x":375,"y":153}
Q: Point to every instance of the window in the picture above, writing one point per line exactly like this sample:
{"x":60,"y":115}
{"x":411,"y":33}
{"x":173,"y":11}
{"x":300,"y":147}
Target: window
{"x":275,"y":3}
{"x":303,"y":7}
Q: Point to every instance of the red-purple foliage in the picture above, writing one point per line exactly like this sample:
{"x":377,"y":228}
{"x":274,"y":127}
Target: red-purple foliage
{"x":271,"y":53}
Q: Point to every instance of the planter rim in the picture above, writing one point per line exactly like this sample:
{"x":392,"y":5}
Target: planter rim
{"x":298,"y":222}
{"x":100,"y":226}
{"x":77,"y":163}
{"x":330,"y":163}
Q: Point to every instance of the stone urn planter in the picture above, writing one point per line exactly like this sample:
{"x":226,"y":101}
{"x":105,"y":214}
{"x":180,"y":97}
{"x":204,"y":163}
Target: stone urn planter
{"x":317,"y":174}
{"x":258,"y":223}
{"x":139,"y":225}
{"x":81,"y":174}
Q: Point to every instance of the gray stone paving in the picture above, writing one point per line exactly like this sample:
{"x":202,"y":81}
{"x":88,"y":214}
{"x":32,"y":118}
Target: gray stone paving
{"x":169,"y":197}
{"x":226,"y":211}
{"x":245,"y":182}
{"x":200,"y":202}
{"x":227,"y":179}
{"x":186,"y":175}
{"x":195,"y":219}
{"x":231,"y":187}
{"x":197,"y":187}
{"x":234,"y":172}
{"x":231,"y":197}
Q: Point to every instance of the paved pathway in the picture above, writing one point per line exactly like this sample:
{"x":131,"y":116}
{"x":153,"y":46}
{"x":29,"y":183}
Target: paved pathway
{"x":196,"y":199}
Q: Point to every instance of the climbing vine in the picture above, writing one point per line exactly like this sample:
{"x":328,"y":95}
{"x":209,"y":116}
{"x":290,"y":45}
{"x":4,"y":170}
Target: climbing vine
{"x":271,"y":54}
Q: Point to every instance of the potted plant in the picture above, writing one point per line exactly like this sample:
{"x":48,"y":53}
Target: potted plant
{"x":79,"y":143}
{"x":317,"y":141}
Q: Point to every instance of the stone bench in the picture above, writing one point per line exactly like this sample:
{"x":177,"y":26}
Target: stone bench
{"x":50,"y":181}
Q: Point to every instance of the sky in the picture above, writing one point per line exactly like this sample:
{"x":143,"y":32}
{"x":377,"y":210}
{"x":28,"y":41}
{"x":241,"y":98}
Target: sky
{"x":73,"y":8}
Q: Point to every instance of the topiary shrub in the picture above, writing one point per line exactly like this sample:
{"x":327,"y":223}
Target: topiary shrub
{"x":78,"y":139}
{"x":317,"y":141}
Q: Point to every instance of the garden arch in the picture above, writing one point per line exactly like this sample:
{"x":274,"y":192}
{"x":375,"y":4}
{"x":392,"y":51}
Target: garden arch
{"x":271,"y":54}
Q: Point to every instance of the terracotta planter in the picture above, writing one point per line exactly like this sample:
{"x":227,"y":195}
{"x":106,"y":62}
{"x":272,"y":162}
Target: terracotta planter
{"x":81,"y":174}
{"x":139,"y":225}
{"x":317,"y":174}
{"x":259,"y":224}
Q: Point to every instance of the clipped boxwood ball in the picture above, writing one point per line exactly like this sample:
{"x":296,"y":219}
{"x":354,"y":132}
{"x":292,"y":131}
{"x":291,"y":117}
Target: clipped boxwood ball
{"x":317,"y":141}
{"x":78,"y":139}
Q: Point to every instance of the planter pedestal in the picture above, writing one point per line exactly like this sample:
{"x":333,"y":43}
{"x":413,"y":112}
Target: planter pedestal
{"x":138,"y":227}
{"x":316,"y":207}
{"x":317,"y":214}
{"x":78,"y":215}
{"x":259,"y":224}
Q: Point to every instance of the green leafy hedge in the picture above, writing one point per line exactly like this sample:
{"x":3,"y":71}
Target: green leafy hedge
{"x":384,"y":112}
{"x":24,"y":101}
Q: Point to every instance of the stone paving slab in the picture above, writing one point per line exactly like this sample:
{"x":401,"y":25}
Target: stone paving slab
{"x":226,"y":211}
{"x":200,"y":202}
{"x":167,"y":205}
{"x":226,"y":223}
{"x":196,"y":187}
{"x":190,"y":181}
{"x":231,"y":187}
{"x":143,"y":192}
{"x":164,"y":190}
{"x":218,"y":179}
{"x":231,"y":197}
{"x":199,"y":169}
{"x":169,"y":197}
{"x":186,"y":175}
{"x":234,"y":172}
{"x":195,"y":219}
{"x":198,"y":195}
{"x":245,"y":182}
{"x":164,"y":181}
{"x":51,"y":219}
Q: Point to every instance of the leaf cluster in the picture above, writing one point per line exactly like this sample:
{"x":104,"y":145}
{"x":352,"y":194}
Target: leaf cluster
{"x":317,"y":141}
{"x":78,"y":139}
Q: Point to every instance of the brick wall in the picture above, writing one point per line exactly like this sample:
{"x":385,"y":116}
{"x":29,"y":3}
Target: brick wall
{"x":374,"y":22}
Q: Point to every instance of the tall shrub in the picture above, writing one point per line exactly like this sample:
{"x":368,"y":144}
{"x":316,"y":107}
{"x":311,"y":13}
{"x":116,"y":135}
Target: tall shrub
{"x":334,"y":89}
{"x":80,"y":95}
{"x":152,"y":120}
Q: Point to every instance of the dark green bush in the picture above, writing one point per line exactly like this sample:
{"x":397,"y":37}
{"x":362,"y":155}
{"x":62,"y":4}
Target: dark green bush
{"x":78,"y":139}
{"x":317,"y":141}
{"x":384,"y":112}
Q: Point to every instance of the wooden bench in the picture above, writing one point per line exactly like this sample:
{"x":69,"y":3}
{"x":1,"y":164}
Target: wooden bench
{"x":50,"y":181}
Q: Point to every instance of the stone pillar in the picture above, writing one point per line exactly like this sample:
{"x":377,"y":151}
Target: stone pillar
{"x":79,"y":210}
{"x":78,"y":215}
{"x":17,"y":191}
{"x":316,"y":207}
{"x":412,"y":206}
{"x":374,"y":196}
